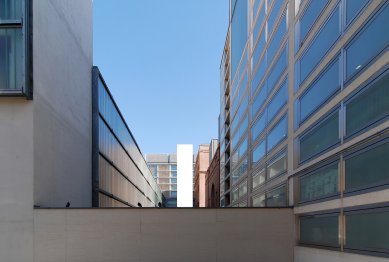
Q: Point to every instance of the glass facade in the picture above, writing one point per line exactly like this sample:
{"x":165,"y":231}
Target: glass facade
{"x":121,"y":177}
{"x":164,"y":170}
{"x":312,"y":119}
{"x":13,"y":48}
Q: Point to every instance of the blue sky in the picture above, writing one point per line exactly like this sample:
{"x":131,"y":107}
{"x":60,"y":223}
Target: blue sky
{"x":161,"y":61}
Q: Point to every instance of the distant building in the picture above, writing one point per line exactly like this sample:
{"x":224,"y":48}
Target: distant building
{"x":163,"y":167}
{"x":201,"y":166}
{"x":185,"y":175}
{"x":212,"y":180}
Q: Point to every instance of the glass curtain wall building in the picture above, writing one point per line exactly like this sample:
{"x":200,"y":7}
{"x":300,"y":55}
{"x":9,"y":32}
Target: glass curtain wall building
{"x":121,"y":177}
{"x":304,"y":117}
{"x":163,"y":167}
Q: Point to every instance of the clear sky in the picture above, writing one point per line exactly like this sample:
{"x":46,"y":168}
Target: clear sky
{"x":160,"y":59}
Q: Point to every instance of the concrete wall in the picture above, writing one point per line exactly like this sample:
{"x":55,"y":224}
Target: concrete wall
{"x":62,"y":73}
{"x":304,"y":254}
{"x":16,"y":179}
{"x":164,"y":235}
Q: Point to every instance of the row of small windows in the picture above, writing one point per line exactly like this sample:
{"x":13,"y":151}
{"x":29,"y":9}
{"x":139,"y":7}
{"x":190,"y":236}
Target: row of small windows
{"x":270,"y":82}
{"x":314,"y":10}
{"x":274,"y":198}
{"x":240,"y":170}
{"x":372,"y":38}
{"x":281,"y":63}
{"x":329,"y":81}
{"x":277,"y":134}
{"x":367,"y":168}
{"x":368,"y":106}
{"x":239,"y":191}
{"x":365,"y":229}
{"x":273,"y":107}
{"x":272,"y":169}
{"x":167,"y":181}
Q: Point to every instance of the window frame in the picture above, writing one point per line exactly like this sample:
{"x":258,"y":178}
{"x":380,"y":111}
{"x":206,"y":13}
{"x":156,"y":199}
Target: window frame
{"x":369,"y":187}
{"x":336,"y":110}
{"x":360,"y":92}
{"x":25,"y":24}
{"x":320,"y":214}
{"x":358,"y":210}
{"x":313,"y":172}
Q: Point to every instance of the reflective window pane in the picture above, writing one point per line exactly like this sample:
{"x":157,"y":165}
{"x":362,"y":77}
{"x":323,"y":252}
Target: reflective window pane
{"x":239,"y":33}
{"x":10,"y":9}
{"x":273,"y":14}
{"x":258,"y":75}
{"x":368,"y":231}
{"x":320,"y":45}
{"x":323,"y":136}
{"x":310,"y":15}
{"x":258,"y":24}
{"x":277,"y":167}
{"x":372,"y":40}
{"x":259,"y":48}
{"x":277,"y":134}
{"x":259,"y":201}
{"x":259,"y":178}
{"x":277,"y":102}
{"x":353,"y":7}
{"x":243,"y":188}
{"x":11,"y":59}
{"x":276,"y":197}
{"x":277,"y":39}
{"x":319,"y":230}
{"x":321,"y":183}
{"x":370,"y":105}
{"x":259,"y":152}
{"x":368,"y":169}
{"x":235,"y":194}
{"x":277,"y":70}
{"x":259,"y":99}
{"x":258,"y":127}
{"x":321,"y":90}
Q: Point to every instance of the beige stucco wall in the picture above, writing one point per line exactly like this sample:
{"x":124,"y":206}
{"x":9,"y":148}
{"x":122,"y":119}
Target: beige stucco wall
{"x":164,"y":235}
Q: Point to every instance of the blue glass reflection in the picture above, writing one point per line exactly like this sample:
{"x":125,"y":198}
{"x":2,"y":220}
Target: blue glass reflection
{"x":320,"y":45}
{"x":353,"y":7}
{"x":277,"y":69}
{"x":373,"y":39}
{"x":278,"y":101}
{"x":259,"y":152}
{"x":277,"y":134}
{"x":258,"y":127}
{"x":310,"y":16}
{"x":320,"y":91}
{"x":276,"y":40}
{"x":258,"y":101}
{"x":239,"y":33}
